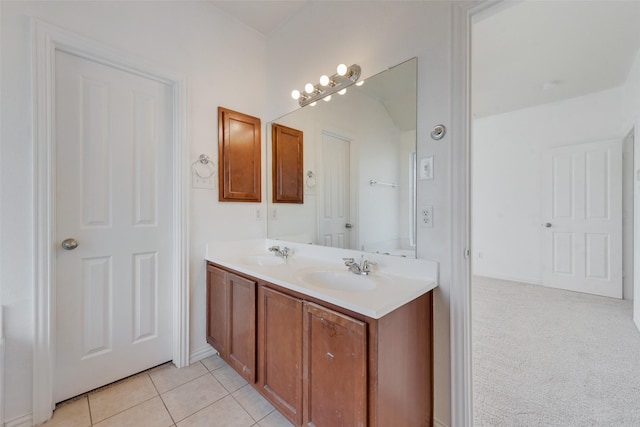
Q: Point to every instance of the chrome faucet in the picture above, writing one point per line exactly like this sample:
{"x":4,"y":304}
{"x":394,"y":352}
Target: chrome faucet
{"x":364,"y":268}
{"x":284,"y":253}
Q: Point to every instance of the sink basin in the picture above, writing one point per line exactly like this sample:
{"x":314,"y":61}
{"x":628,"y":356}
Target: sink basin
{"x":262,"y":260}
{"x":341,"y":280}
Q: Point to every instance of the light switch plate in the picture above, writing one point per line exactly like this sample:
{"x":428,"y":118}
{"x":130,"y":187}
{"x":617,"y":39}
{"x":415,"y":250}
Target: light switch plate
{"x":204,"y":183}
{"x":426,"y":168}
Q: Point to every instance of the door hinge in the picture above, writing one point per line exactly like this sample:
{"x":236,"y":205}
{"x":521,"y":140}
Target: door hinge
{"x":467,"y":253}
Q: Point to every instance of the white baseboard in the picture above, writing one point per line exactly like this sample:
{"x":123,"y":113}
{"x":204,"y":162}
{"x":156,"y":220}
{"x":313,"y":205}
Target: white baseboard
{"x":24,"y":421}
{"x":202,"y":353}
{"x":438,"y":423}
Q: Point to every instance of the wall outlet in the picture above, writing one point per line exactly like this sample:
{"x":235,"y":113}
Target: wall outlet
{"x":274,"y":214}
{"x":258,"y":214}
{"x":426,"y":216}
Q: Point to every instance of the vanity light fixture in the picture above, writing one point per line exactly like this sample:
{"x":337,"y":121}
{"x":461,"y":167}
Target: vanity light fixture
{"x":343,"y":78}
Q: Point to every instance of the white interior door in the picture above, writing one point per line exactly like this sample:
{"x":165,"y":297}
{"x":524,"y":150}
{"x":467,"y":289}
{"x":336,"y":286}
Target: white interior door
{"x":335,"y":227}
{"x":583,"y":218}
{"x":113,"y":196}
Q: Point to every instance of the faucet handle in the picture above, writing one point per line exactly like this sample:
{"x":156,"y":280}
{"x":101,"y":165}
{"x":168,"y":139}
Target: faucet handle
{"x":274,"y":249}
{"x":348,"y":261}
{"x":366,"y":265}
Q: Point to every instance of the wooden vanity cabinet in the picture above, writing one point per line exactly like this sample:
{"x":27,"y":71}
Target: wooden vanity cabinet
{"x":280,"y":357}
{"x":335,"y":369}
{"x":217,"y":309}
{"x":231,"y":324}
{"x":324,"y":366}
{"x":242,"y":326}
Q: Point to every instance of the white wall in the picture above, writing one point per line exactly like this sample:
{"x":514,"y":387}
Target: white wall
{"x":225,"y":64}
{"x":507,"y":151}
{"x":376,"y":35}
{"x":228,"y":65}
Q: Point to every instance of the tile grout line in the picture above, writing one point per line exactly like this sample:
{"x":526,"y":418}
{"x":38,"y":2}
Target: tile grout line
{"x":136,"y":405}
{"x":202,"y":409}
{"x":158,"y":394}
{"x":162,"y":400}
{"x":242,"y":406}
{"x":209,"y":372}
{"x":89,"y":406}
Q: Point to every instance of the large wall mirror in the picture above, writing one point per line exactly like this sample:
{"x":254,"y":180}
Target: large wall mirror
{"x":359,"y":168}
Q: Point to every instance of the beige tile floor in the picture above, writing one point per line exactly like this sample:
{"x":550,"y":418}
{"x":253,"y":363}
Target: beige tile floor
{"x":207,"y":393}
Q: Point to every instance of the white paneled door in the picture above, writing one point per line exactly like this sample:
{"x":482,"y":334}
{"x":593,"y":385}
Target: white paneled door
{"x":583,"y":218}
{"x":113,"y":137}
{"x":335,"y":227}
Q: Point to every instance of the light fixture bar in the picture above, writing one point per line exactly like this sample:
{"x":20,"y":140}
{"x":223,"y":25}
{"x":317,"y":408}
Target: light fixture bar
{"x":337,"y":82}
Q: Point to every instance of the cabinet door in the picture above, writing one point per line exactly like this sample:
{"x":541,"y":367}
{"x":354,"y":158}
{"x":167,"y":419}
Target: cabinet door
{"x":217,"y":309}
{"x":281,"y":352}
{"x":239,"y":145}
{"x":287,"y":148}
{"x":335,"y":369}
{"x":242,"y":327}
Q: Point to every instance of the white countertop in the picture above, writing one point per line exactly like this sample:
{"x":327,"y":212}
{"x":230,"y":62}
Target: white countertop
{"x":395,"y":280}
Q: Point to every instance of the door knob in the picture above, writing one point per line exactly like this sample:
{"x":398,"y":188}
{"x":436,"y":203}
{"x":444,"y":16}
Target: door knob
{"x":69,"y":244}
{"x":547,"y":225}
{"x":347,"y":225}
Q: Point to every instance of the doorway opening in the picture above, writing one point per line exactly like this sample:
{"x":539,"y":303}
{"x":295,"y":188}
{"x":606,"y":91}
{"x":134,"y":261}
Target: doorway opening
{"x":518,"y":115}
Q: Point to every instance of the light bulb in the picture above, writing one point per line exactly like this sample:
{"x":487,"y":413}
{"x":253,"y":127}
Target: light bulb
{"x":343,"y":91}
{"x":309,"y":88}
{"x":324,"y":80}
{"x":342,"y":70}
{"x":327,"y":98}
{"x":313,"y":104}
{"x":360,"y":83}
{"x":295,"y":94}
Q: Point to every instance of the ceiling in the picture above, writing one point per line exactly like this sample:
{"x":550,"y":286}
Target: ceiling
{"x":265,"y":16}
{"x":535,"y":52}
{"x":527,"y":53}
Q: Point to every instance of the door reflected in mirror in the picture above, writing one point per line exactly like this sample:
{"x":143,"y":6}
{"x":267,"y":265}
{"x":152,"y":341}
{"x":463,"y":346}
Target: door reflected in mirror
{"x":359,"y":173}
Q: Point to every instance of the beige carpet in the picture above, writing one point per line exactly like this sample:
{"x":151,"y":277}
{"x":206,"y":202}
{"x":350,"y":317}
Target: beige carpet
{"x":546,"y":357}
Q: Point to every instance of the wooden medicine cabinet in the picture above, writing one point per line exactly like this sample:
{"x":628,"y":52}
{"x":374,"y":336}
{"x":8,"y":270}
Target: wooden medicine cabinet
{"x":287,"y":165}
{"x":238,"y":157}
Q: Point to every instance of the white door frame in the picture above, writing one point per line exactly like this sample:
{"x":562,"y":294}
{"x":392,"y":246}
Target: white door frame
{"x":636,"y":224}
{"x":46,"y":40}
{"x":460,"y":292}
